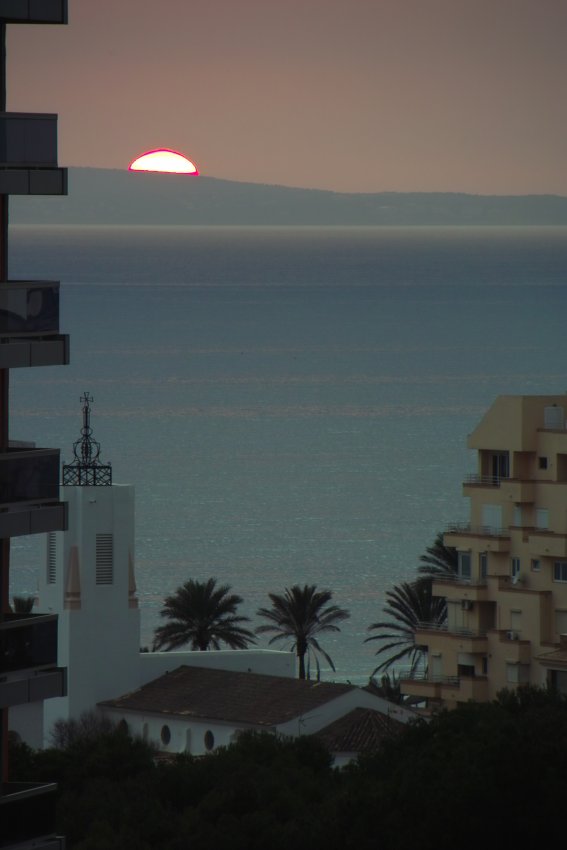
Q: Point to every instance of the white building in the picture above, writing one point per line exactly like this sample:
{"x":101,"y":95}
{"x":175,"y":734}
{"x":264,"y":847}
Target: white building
{"x":197,"y":709}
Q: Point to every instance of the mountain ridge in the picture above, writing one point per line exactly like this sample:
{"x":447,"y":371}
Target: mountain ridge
{"x":111,"y":196}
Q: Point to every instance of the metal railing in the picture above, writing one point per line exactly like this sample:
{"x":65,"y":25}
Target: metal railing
{"x":479,"y":530}
{"x":455,"y":630}
{"x":433,"y":678}
{"x":483,"y":480}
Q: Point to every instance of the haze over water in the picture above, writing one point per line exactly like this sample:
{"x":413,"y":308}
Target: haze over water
{"x":291,"y":405}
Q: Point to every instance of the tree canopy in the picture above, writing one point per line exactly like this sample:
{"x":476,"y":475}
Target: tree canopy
{"x":299,"y":616}
{"x":203,"y":615}
{"x":464,"y":779}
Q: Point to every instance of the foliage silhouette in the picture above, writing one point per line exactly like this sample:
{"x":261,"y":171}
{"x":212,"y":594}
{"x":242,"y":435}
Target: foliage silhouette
{"x":301,"y":615}
{"x":204,"y":616}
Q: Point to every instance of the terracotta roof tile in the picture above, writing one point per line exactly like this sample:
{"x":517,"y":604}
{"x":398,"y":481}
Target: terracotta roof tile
{"x":224,"y":695}
{"x":361,"y":730}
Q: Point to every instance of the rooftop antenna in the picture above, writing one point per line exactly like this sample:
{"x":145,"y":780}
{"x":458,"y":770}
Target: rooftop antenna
{"x":86,"y":469}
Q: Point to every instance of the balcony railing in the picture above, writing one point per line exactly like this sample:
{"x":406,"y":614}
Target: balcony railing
{"x":483,"y":480}
{"x":35,"y":685}
{"x":455,"y":630}
{"x":29,"y":476}
{"x":455,"y":578}
{"x":477,"y":530}
{"x":27,"y":642}
{"x":432,"y":677}
{"x":27,"y":814}
{"x":28,"y":140}
{"x":29,"y":308}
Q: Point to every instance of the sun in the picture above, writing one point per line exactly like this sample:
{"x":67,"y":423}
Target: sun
{"x":164,"y":160}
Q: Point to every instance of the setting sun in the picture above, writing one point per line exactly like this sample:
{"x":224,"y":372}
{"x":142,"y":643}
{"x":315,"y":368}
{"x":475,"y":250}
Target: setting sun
{"x":164,"y":160}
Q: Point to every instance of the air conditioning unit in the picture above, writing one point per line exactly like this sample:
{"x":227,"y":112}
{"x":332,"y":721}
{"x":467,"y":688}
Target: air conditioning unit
{"x":512,"y":635}
{"x":466,"y":604}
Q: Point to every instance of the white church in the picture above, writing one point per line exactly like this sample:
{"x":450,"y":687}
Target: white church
{"x":181,"y":701}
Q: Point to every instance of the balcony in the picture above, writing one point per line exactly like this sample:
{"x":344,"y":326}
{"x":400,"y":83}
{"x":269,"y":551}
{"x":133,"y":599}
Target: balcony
{"x":28,"y":155}
{"x":36,"y":686}
{"x":466,"y":536}
{"x":547,"y":544}
{"x":28,"y":140}
{"x":511,"y":489}
{"x":29,"y":325}
{"x":457,"y":589}
{"x":446,"y":688}
{"x":469,"y":640}
{"x":27,"y":642}
{"x":34,"y":11}
{"x":29,"y":476}
{"x":27,"y":815}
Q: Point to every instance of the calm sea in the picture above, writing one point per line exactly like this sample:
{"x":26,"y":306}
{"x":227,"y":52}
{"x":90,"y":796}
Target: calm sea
{"x":292,"y":405}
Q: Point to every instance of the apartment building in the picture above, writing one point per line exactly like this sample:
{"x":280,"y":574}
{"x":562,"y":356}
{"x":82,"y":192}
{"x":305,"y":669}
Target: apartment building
{"x":29,"y":475}
{"x":507,"y":604}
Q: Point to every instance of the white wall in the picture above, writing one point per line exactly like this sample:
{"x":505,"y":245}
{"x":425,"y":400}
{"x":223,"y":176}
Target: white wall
{"x":98,"y":627}
{"x":187,"y":735}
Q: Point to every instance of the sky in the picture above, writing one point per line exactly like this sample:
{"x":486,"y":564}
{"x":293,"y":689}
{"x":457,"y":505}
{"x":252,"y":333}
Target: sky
{"x":347,"y":95}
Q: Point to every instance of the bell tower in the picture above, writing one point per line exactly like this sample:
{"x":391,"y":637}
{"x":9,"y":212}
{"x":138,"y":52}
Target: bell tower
{"x":88,"y":580}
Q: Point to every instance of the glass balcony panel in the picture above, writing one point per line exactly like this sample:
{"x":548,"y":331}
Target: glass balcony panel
{"x":28,"y":140}
{"x":32,"y":181}
{"x":34,"y":11}
{"x":27,"y":642}
{"x":31,"y":475}
{"x":28,"y":308}
{"x":27,"y":812}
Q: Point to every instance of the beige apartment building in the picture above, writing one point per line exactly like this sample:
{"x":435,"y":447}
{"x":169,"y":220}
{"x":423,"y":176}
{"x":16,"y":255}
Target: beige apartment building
{"x":507,"y":606}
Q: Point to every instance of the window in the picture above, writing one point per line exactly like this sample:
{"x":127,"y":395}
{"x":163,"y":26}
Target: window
{"x":517,"y":674}
{"x":209,"y":740}
{"x":542,"y":462}
{"x":104,"y":559}
{"x":483,"y":564}
{"x":165,"y":735}
{"x":560,"y":571}
{"x":500,"y":465}
{"x":542,"y":518}
{"x":492,"y":519}
{"x":51,"y":557}
{"x":464,"y":565}
{"x":517,"y":521}
{"x":536,"y":565}
{"x":561,"y":622}
{"x":515,"y":567}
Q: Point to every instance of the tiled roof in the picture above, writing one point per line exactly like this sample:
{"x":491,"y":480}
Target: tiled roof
{"x":556,"y":658}
{"x":251,"y":698}
{"x":360,"y":731}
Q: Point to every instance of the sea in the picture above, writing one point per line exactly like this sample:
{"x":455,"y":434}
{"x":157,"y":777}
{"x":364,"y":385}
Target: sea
{"x":291,"y":404}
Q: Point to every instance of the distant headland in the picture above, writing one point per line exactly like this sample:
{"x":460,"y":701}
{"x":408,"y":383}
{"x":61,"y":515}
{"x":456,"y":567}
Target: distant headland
{"x":104,"y":196}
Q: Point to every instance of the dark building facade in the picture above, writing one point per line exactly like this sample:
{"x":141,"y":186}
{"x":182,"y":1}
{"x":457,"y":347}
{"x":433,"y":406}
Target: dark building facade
{"x":29,"y":475}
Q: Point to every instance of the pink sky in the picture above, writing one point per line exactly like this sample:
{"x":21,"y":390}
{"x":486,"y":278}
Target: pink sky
{"x":351,"y":95}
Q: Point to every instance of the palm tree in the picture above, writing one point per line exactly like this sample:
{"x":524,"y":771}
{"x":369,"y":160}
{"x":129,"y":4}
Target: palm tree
{"x":301,"y":614}
{"x":440,"y":561}
{"x":408,"y":605}
{"x":204,"y":616}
